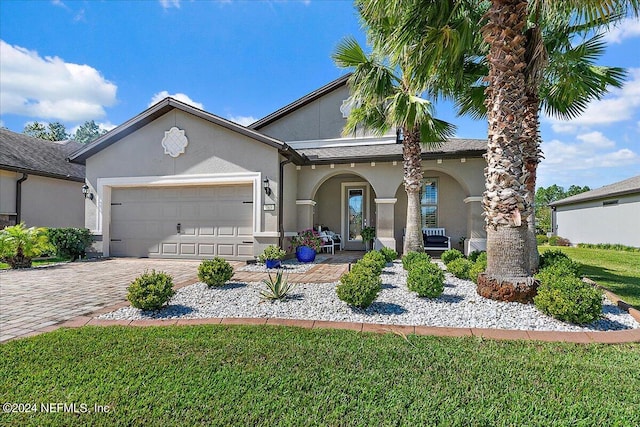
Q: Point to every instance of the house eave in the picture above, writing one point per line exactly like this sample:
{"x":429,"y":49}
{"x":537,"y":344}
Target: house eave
{"x":41,"y":173}
{"x":395,"y":157}
{"x":595,"y":198}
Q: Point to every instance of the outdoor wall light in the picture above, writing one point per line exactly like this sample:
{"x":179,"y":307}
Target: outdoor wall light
{"x":267,"y":189}
{"x":86,"y":192}
{"x":399,"y":136}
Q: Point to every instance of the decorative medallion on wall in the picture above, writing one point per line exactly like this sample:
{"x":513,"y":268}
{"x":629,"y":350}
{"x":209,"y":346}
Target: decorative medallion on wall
{"x":174,"y":142}
{"x":346,"y":108}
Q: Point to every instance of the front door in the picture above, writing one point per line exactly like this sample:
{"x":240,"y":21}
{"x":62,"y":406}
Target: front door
{"x":355,"y":214}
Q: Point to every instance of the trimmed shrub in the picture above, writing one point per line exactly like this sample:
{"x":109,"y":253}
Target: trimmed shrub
{"x":376,"y":256}
{"x":478,"y":267}
{"x":558,"y":241}
{"x":271,"y":252}
{"x":412,"y":257}
{"x":449,"y":255}
{"x":70,"y":242}
{"x":542,"y":239}
{"x":369,"y":265}
{"x":151,"y":290}
{"x":460,"y":267}
{"x":563,"y":267}
{"x":568,"y":299}
{"x":473,"y":256}
{"x":549,"y":258}
{"x":389,"y":254}
{"x":609,"y":246}
{"x":426,"y":279}
{"x":359,"y":287}
{"x":215,"y":272}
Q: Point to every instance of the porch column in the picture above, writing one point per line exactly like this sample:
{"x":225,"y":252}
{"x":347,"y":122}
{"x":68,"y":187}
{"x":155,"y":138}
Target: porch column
{"x":305,"y":213}
{"x":384,"y":223}
{"x":476,"y":233}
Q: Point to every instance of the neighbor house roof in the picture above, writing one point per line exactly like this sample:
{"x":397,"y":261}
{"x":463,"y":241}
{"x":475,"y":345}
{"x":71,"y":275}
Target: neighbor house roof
{"x":22,"y":153}
{"x":163,"y":107}
{"x":452,"y":148}
{"x":318,"y":93}
{"x":628,"y":186}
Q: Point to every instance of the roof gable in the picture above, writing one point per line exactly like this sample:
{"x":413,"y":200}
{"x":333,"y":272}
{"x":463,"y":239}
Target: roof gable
{"x":163,"y":107}
{"x":22,"y":153}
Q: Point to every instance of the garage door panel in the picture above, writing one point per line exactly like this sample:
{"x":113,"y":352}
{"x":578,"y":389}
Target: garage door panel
{"x":214,"y":222}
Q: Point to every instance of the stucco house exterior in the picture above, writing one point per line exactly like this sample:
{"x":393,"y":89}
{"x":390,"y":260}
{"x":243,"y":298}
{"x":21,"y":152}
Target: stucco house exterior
{"x":38,"y":186}
{"x":177,"y":181}
{"x":610,"y":214}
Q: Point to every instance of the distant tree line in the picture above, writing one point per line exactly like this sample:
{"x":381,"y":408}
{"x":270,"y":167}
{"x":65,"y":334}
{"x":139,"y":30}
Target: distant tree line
{"x":544,"y":196}
{"x":56,"y":131}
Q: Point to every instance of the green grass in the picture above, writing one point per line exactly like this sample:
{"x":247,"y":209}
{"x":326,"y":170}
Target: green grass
{"x":618,"y":271}
{"x":271,"y":376}
{"x":37,"y":262}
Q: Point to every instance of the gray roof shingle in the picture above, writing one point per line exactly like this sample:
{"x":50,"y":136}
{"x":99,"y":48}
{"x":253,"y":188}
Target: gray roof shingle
{"x":455,"y":147}
{"x":628,"y":186}
{"x":22,"y":153}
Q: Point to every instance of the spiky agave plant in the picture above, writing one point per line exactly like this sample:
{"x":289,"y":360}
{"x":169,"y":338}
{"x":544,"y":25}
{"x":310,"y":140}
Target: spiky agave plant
{"x":277,"y":289}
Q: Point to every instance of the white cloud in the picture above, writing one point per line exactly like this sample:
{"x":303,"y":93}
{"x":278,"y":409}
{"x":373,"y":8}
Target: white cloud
{"x":168,"y":4}
{"x":625,"y":29}
{"x":619,"y":106}
{"x":596,"y":139}
{"x":179,"y":96}
{"x":593,"y":152}
{"x":50,"y":88}
{"x":243,"y":120}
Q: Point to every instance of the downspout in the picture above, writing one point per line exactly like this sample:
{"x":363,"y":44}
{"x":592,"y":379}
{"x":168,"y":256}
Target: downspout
{"x":19,"y":197}
{"x":281,"y":202}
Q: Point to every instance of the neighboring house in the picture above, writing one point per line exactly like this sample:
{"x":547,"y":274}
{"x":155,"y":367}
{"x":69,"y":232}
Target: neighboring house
{"x":610,"y":214}
{"x":176,"y":181}
{"x":38,"y":186}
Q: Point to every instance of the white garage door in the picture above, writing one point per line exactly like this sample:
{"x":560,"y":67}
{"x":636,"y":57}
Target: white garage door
{"x":182,"y":222}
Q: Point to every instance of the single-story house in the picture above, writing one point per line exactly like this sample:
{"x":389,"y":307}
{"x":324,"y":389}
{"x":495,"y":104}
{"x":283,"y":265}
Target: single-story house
{"x":609,"y":214}
{"x":179,"y":182}
{"x":38,"y":186}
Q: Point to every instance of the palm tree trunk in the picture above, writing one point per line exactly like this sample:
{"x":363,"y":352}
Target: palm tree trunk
{"x":412,"y":163}
{"x":532,"y":158}
{"x":505,"y":200}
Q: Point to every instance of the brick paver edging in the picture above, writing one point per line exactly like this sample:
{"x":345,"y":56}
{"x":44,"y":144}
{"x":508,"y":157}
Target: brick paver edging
{"x":587,"y":337}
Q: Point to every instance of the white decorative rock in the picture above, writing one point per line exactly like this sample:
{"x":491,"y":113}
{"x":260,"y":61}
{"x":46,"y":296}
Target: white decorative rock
{"x":174,"y":142}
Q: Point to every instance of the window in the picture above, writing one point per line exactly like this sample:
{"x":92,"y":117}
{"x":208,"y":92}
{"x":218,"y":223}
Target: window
{"x":609,"y":203}
{"x":429,"y":203}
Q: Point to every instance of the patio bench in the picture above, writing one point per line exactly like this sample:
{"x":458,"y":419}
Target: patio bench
{"x":435,"y":239}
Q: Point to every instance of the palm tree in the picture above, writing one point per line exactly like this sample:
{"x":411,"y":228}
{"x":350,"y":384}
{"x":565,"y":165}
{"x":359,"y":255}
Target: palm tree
{"x":385,"y":95}
{"x":520,"y":74}
{"x":18,"y":244}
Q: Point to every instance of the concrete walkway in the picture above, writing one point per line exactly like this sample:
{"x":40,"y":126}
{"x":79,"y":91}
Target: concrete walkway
{"x":71,"y":295}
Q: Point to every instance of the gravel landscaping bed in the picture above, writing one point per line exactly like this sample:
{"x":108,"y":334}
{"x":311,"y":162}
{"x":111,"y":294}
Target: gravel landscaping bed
{"x":289,"y":266}
{"x":459,"y":306}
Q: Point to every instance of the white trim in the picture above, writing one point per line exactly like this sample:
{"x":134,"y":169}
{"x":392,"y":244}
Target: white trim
{"x":306,"y":202}
{"x":343,"y":205}
{"x":473,"y":199}
{"x":290,"y":233}
{"x":343,"y":142}
{"x":105,"y":185}
{"x":266,"y":234}
{"x":385,"y":201}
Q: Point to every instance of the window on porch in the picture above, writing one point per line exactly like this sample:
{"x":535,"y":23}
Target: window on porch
{"x":429,"y":203}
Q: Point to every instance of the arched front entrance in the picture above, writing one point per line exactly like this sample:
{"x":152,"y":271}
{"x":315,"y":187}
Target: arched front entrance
{"x":345,"y":203}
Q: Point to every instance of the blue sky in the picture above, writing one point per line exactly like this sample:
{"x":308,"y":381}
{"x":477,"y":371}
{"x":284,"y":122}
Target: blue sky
{"x":72,"y":61}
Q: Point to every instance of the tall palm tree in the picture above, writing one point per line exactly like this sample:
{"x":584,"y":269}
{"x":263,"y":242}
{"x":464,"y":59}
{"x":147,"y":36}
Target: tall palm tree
{"x":385,"y":95}
{"x":514,"y":80}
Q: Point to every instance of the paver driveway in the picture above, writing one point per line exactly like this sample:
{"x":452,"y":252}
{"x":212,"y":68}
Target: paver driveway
{"x":36,"y":298}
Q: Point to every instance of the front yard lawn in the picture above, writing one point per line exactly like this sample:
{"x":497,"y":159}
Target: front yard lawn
{"x":246,"y":375}
{"x":38,"y":262}
{"x":618,"y":271}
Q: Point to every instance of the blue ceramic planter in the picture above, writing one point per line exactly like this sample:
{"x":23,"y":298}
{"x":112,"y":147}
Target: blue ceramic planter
{"x":305,"y":254}
{"x":272,"y":263}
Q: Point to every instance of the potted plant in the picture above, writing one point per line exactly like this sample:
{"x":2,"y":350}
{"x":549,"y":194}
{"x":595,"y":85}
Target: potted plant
{"x":271,"y":256}
{"x":368,"y":234}
{"x":306,"y":244}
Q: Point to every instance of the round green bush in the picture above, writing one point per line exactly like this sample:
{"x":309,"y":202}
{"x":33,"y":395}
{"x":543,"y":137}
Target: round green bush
{"x":70,"y":242}
{"x":460,"y":267}
{"x":473,"y":256}
{"x":568,"y":299}
{"x":548,"y":258}
{"x":541,"y":239}
{"x":412,"y":257}
{"x":449,"y":255}
{"x":426,"y":279}
{"x":368,"y":265}
{"x":563,"y":267}
{"x":150,"y":291}
{"x":215,"y":272}
{"x":359,"y":288}
{"x":478,"y":267}
{"x":376,"y":256}
{"x":389,"y":254}
{"x":558,"y":241}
